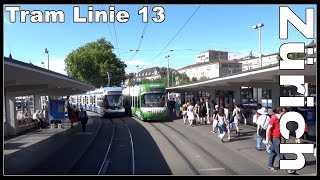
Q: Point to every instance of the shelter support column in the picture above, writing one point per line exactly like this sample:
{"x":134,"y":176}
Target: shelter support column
{"x":10,"y":115}
{"x":213,"y":95}
{"x":37,"y":102}
{"x":237,"y":97}
{"x":182,"y":95}
{"x":195,"y":96}
{"x":275,"y":94}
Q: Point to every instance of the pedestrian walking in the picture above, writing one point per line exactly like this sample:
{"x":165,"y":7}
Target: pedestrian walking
{"x":83,"y":118}
{"x":273,"y":139}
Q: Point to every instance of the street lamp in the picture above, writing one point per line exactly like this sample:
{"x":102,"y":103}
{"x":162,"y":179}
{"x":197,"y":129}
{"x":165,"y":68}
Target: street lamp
{"x":168,"y":74}
{"x":259,"y":26}
{"x":108,"y":79}
{"x":46,"y":51}
{"x":173,"y":72}
{"x":137,"y":73}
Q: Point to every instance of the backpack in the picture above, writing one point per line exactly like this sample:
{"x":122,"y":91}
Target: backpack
{"x":83,"y":115}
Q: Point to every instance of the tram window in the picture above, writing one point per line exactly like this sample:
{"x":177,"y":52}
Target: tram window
{"x":135,"y":102}
{"x":153,"y":100}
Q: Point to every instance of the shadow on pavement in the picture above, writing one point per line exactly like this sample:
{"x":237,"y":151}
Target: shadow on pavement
{"x":149,"y":159}
{"x":238,"y":138}
{"x":12,"y":146}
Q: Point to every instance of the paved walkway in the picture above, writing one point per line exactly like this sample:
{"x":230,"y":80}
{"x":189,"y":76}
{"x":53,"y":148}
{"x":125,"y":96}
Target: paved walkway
{"x":245,"y":145}
{"x":35,"y":150}
{"x":23,"y":153}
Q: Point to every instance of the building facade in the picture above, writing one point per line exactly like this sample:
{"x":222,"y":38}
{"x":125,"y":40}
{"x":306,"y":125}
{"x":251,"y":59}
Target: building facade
{"x":249,"y":63}
{"x":148,"y":73}
{"x":211,"y":69}
{"x":211,"y":56}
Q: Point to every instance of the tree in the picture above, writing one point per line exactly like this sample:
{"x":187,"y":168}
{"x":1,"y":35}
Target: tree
{"x":131,"y":82}
{"x":194,"y":79}
{"x":91,"y":62}
{"x":294,"y":56}
{"x":180,"y":78}
{"x":203,"y":78}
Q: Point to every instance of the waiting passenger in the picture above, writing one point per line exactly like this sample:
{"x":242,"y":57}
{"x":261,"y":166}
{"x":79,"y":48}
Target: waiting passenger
{"x":190,"y":114}
{"x":202,"y":111}
{"x":196,"y":110}
{"x":36,"y":118}
{"x":43,"y":119}
{"x":177,"y":108}
{"x":20,"y":118}
{"x":256,"y":114}
{"x":214,"y":120}
{"x":184,"y":112}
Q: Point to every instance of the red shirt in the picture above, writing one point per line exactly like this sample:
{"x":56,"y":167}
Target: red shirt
{"x":275,"y":130}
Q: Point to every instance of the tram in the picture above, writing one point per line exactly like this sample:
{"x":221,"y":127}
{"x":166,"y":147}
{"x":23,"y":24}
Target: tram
{"x":146,"y":101}
{"x":106,"y":101}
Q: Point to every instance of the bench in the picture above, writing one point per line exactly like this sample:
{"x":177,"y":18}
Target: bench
{"x":27,"y":124}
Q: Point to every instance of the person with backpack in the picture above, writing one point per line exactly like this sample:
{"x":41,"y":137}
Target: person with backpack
{"x":83,"y":118}
{"x":262,"y":124}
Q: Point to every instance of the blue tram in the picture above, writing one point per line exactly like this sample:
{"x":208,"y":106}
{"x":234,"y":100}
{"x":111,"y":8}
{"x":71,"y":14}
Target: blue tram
{"x":107,"y":101}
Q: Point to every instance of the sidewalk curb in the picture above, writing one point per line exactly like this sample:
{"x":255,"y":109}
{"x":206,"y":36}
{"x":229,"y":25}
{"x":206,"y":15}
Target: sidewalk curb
{"x":86,"y":148}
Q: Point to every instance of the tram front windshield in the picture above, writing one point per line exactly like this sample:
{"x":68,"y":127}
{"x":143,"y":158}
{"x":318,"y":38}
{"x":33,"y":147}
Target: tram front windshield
{"x":114,"y":100}
{"x":153,"y":100}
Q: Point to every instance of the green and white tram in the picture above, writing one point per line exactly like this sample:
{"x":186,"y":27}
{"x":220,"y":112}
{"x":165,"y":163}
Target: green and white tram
{"x":146,"y":101}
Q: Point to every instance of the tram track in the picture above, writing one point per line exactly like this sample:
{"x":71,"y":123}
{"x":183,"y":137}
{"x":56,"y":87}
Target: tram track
{"x":195,"y":170}
{"x":203,"y":150}
{"x":104,"y":167}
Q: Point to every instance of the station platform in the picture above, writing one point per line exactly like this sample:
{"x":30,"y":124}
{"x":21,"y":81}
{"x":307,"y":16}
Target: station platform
{"x":25,"y":153}
{"x":40,"y":151}
{"x":245,"y":145}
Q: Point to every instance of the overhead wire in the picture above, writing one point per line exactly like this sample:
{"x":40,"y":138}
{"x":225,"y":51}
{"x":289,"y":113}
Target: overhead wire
{"x":115,"y":32}
{"x":142,"y":36}
{"x":108,"y":27}
{"x":177,"y":33}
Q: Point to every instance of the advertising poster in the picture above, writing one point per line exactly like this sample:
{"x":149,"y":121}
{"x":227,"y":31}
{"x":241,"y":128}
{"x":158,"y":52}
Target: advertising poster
{"x":56,"y":110}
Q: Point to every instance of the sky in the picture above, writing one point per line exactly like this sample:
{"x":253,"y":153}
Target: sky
{"x":219,"y":27}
